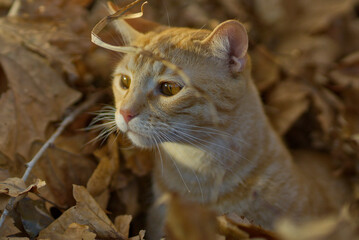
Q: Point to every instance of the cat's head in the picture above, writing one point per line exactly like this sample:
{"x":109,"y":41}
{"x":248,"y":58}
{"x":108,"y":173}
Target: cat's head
{"x":154,"y":104}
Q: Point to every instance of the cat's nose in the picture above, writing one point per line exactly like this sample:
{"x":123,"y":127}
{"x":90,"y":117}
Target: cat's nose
{"x":128,"y":114}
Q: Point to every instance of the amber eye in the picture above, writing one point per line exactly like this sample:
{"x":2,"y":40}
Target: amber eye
{"x":125,"y":81}
{"x":170,"y":88}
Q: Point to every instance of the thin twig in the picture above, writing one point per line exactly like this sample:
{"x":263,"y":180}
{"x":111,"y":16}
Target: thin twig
{"x":15,"y":7}
{"x":88,"y":103}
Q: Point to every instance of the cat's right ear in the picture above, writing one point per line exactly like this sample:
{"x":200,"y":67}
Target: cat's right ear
{"x":229,"y":41}
{"x":131,"y":29}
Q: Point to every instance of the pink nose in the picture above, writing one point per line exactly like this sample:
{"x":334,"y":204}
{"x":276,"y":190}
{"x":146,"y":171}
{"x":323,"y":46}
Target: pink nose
{"x":128,"y":115}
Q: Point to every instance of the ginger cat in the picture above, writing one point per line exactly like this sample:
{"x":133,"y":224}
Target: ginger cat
{"x":230,"y":159}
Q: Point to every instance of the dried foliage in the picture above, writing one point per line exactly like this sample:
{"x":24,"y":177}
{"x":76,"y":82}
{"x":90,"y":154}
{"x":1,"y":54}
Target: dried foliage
{"x":305,"y":58}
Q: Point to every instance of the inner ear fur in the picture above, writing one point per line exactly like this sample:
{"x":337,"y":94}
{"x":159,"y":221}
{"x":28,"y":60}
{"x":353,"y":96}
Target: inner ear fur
{"x":229,"y":41}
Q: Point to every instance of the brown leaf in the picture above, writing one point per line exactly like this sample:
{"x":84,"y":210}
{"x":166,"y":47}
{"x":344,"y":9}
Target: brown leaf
{"x":34,"y":215}
{"x":75,"y":231}
{"x":70,"y":13}
{"x":86,"y":212}
{"x":189,"y":221}
{"x":266,"y":61}
{"x":60,"y":169}
{"x":15,"y":187}
{"x":108,"y":166}
{"x":140,"y":236}
{"x":286,"y":103}
{"x":122,"y":224}
{"x":316,"y":16}
{"x":328,"y":108}
{"x":14,"y":238}
{"x":346,"y":75}
{"x":243,"y":228}
{"x":8,"y":228}
{"x":328,"y":228}
{"x":31,"y":94}
{"x":230,"y":230}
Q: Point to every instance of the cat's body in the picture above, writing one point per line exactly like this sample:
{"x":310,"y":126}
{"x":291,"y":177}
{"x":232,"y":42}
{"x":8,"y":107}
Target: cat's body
{"x":230,"y":159}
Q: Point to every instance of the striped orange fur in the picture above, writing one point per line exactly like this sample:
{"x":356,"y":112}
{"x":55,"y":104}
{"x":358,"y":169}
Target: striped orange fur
{"x":230,"y":159}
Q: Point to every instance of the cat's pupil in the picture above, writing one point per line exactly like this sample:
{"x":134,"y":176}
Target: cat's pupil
{"x":170,"y":88}
{"x":125,"y":81}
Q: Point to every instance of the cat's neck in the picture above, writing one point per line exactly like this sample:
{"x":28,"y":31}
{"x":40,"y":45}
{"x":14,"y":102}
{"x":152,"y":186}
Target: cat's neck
{"x":227,"y":160}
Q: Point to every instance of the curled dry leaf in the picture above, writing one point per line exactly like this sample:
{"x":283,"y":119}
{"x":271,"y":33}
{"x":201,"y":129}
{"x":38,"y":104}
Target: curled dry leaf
{"x":86,"y":212}
{"x":15,"y":187}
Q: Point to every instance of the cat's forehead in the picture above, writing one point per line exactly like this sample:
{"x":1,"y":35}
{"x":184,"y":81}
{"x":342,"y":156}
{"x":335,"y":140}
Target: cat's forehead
{"x":180,"y":46}
{"x":172,"y":41}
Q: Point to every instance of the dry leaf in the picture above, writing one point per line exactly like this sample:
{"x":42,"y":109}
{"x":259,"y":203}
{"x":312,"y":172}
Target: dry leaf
{"x":346,"y":75}
{"x":86,"y":212}
{"x":316,"y":16}
{"x":269,"y":73}
{"x":32,"y":99}
{"x":60,"y":169}
{"x":245,"y":226}
{"x":107,"y":168}
{"x":328,"y":106}
{"x":34,"y":215}
{"x":230,"y":230}
{"x":140,"y":236}
{"x":14,"y":238}
{"x":189,"y":221}
{"x":298,"y":51}
{"x":8,"y":228}
{"x":122,"y":224}
{"x":329,"y":228}
{"x":286,"y":103}
{"x":15,"y":187}
{"x":75,"y":231}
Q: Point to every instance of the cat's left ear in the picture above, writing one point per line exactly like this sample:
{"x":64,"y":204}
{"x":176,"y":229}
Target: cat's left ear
{"x":229,"y":41}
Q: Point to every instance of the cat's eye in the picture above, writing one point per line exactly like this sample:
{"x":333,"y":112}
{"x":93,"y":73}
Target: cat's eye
{"x":125,"y":81}
{"x":170,"y":88}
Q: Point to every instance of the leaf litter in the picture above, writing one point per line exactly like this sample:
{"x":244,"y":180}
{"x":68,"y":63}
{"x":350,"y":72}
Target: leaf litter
{"x":306,"y":66}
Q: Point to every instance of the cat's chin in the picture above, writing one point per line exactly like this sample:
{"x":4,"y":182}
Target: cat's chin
{"x":140,"y":140}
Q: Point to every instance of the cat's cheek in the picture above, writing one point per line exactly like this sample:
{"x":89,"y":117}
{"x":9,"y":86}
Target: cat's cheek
{"x":120,"y":122}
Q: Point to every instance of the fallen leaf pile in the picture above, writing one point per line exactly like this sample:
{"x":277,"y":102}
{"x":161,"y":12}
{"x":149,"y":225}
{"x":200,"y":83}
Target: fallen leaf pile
{"x":305,"y":58}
